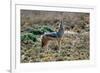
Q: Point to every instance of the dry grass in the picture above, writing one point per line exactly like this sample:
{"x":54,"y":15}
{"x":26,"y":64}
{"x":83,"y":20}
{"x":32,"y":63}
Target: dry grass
{"x":75,"y":43}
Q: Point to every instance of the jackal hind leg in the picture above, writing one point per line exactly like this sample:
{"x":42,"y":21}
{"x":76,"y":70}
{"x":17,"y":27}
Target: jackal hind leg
{"x":45,"y":44}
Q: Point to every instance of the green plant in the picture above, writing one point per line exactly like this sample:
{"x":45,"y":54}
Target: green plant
{"x":28,"y":36}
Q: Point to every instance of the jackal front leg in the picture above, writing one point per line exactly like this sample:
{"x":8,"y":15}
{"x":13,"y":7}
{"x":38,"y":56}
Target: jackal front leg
{"x":59,"y":44}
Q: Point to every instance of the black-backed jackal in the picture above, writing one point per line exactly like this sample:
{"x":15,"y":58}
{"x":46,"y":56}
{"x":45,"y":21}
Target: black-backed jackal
{"x":53,"y":36}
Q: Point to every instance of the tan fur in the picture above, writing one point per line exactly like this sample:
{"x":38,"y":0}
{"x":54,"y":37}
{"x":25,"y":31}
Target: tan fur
{"x":46,"y":39}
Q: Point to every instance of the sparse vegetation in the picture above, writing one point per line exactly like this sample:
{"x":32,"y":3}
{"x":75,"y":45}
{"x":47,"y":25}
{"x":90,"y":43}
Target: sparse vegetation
{"x":36,"y":23}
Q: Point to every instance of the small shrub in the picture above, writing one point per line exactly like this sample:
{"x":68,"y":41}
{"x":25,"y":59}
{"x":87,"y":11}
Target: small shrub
{"x":28,"y":36}
{"x":41,"y":30}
